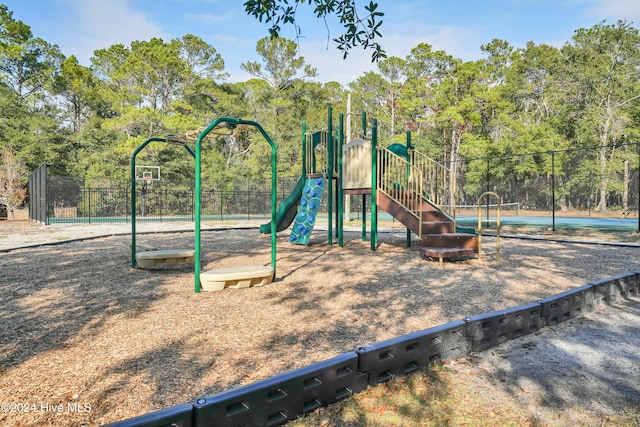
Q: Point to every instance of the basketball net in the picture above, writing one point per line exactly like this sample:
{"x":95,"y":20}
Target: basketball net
{"x":147,"y":177}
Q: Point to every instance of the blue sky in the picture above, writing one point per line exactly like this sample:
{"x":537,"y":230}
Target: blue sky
{"x":459,"y":28}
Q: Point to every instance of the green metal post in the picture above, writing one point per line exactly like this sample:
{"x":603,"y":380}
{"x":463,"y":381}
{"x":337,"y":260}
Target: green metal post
{"x":190,"y":150}
{"x":374,"y":187}
{"x":304,"y":149}
{"x":340,"y":224}
{"x":364,"y":124}
{"x":336,"y":157}
{"x":364,"y":197}
{"x":330,"y":174}
{"x":364,"y":217}
{"x":232,"y":122}
{"x":198,"y":206}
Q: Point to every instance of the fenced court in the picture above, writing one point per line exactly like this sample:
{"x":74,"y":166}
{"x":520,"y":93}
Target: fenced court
{"x":571,"y":180}
{"x":561,"y":189}
{"x":72,"y":200}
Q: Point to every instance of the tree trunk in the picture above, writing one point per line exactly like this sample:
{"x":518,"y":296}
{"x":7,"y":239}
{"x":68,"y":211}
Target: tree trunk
{"x":562,"y":200}
{"x":392,"y":100}
{"x":604,"y":180}
{"x":604,"y":177}
{"x":453,"y":163}
{"x":626,"y":185}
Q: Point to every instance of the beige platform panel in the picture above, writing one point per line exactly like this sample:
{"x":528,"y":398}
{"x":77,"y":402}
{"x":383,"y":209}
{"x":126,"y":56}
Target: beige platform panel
{"x":166,"y":257}
{"x":356,"y":164}
{"x":236,"y":277}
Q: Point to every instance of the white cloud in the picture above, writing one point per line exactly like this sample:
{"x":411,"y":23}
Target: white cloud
{"x":614,"y":9}
{"x":457,"y":41}
{"x":328,"y":60}
{"x":331,"y":66}
{"x":94,"y":25}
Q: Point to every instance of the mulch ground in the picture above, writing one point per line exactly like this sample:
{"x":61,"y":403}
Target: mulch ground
{"x":79,"y":328}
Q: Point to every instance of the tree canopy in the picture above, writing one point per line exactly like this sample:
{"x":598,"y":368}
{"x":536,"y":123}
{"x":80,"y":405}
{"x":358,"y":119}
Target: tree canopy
{"x":86,"y":120}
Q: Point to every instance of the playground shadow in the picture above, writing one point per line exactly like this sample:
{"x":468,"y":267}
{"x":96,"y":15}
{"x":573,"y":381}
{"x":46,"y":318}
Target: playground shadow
{"x":456,"y":290}
{"x":584,"y":365}
{"x":579,"y":372}
{"x":557,"y":373}
{"x":52,"y":294}
{"x":129,"y":335}
{"x":158,"y":385}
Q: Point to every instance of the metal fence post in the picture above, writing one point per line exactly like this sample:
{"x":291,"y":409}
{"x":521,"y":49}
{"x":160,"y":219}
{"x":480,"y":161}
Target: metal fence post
{"x":88,"y":191}
{"x":553,"y":191}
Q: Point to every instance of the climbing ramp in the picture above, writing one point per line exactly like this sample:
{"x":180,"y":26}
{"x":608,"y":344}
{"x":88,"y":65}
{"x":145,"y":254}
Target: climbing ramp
{"x":308,"y":210}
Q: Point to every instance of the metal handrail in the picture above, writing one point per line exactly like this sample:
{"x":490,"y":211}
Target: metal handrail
{"x":439,"y":182}
{"x":401,"y":181}
{"x":317,"y":161}
{"x":310,"y":166}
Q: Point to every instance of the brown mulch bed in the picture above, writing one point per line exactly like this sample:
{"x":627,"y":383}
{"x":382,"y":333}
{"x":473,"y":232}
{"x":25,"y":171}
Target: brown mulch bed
{"x":79,"y":326}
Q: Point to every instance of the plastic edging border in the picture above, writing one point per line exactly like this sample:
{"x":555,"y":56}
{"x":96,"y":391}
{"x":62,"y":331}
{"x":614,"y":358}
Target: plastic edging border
{"x":408,"y":353}
{"x":491,"y":329}
{"x":283,"y":398}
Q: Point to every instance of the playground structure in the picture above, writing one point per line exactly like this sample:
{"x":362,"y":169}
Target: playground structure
{"x":399,"y":179}
{"x":405,"y":183}
{"x":242,"y":276}
{"x":211,"y":280}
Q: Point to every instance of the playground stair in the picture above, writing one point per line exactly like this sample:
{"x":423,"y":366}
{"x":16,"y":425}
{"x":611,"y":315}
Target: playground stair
{"x":437,"y":231}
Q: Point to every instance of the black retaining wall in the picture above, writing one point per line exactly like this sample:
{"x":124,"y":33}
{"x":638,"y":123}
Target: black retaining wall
{"x":283,"y":398}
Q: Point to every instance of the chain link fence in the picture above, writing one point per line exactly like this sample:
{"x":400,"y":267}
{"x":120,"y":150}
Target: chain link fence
{"x":72,"y":200}
{"x":600,"y":181}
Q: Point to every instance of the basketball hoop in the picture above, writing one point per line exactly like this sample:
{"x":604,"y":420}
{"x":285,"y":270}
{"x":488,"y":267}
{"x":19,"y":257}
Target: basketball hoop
{"x":147,"y":174}
{"x":147,"y":177}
